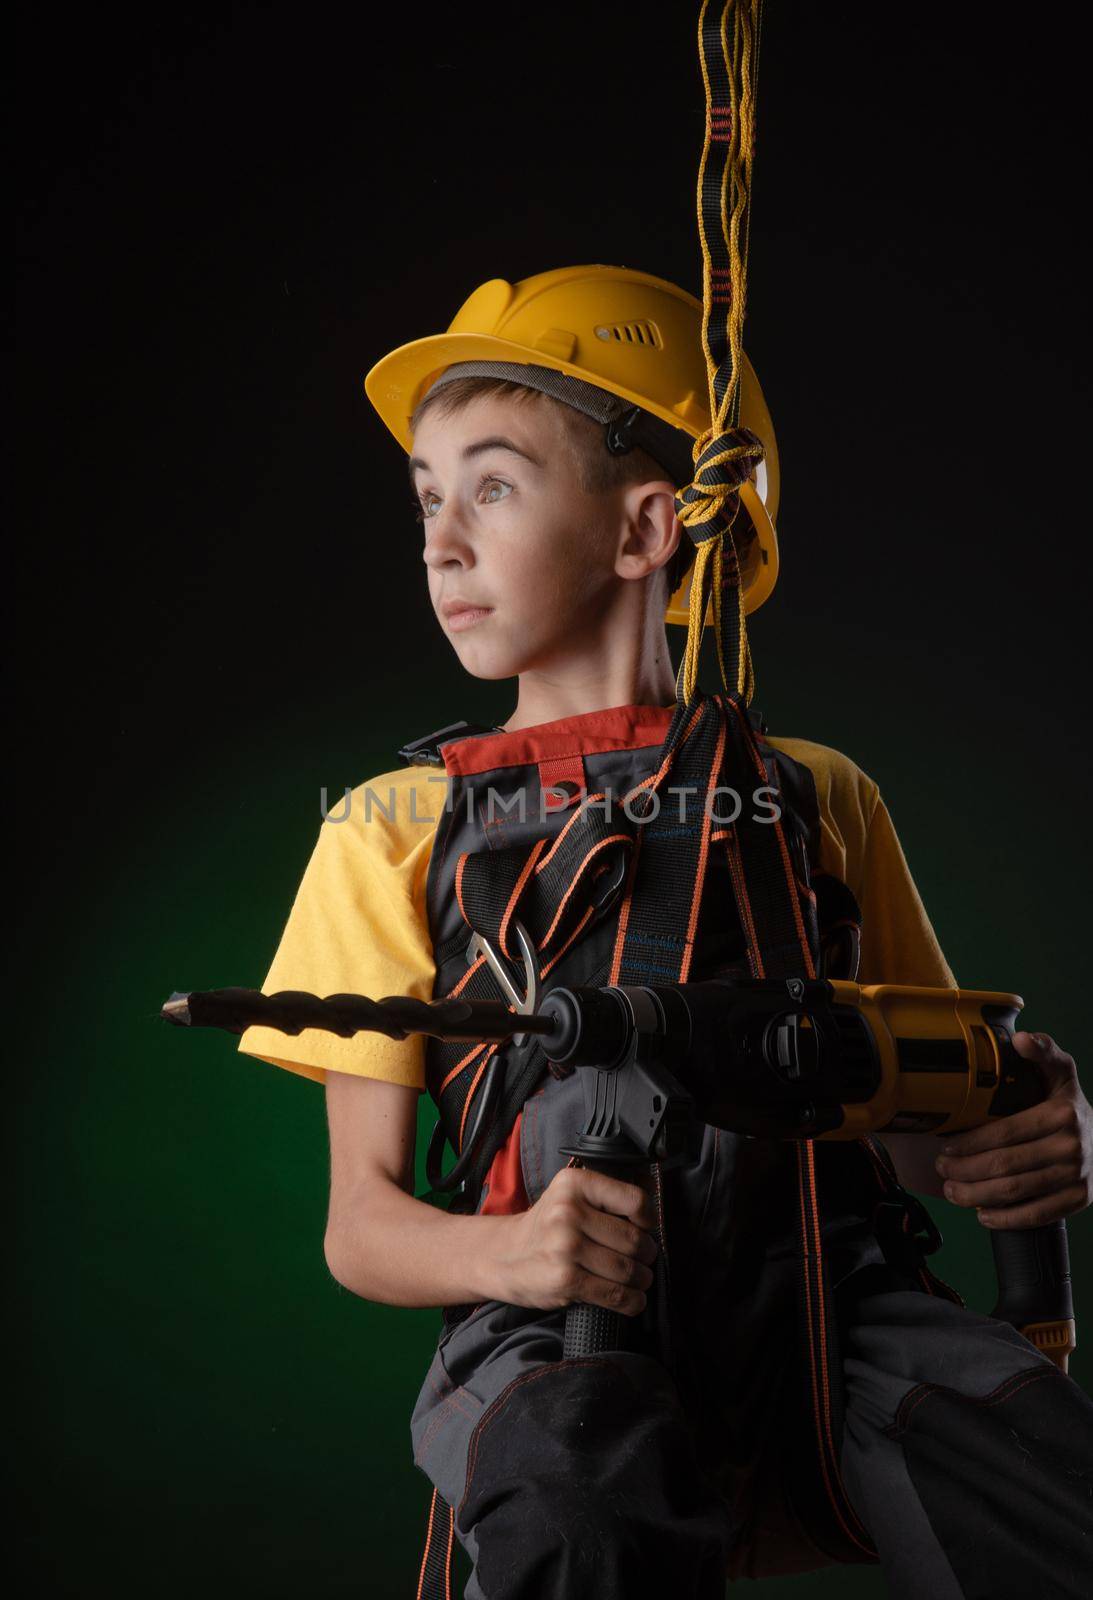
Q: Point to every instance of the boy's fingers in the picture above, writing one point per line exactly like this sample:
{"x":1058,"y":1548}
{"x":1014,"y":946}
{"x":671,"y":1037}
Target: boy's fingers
{"x":1001,"y":1163}
{"x":597,"y":1291}
{"x":1041,"y":1047}
{"x":618,"y":1197}
{"x":1017,"y":1188}
{"x":1035,"y":1213}
{"x":621,"y":1234}
{"x":607,"y":1263}
{"x":1020,"y":1128}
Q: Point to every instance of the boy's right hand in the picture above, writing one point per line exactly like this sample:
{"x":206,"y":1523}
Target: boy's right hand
{"x":588,"y":1237}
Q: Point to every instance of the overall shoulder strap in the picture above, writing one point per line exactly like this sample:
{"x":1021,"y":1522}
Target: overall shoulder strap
{"x":517,"y":849}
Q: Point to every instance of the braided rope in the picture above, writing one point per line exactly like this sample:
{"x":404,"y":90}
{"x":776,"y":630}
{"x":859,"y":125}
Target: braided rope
{"x":726,"y":453}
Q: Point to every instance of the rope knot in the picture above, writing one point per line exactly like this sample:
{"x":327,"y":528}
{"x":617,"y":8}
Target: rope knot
{"x":722,"y":462}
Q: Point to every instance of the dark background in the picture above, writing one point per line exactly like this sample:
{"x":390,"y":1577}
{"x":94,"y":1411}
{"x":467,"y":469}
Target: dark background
{"x":225,"y":218}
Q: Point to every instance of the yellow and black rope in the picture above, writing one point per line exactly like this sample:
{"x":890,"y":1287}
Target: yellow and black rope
{"x":726,"y":453}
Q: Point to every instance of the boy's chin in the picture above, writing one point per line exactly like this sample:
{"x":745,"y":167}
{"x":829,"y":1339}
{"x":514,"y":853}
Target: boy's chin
{"x":490,"y":665}
{"x":493,"y":654}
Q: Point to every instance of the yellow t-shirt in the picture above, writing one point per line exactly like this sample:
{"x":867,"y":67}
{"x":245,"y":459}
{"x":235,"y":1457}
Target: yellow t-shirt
{"x":359,"y":922}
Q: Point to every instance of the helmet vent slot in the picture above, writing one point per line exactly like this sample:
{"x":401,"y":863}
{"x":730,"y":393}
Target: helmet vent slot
{"x":646,"y":333}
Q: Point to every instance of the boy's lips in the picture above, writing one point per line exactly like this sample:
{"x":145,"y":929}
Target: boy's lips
{"x":460,"y":614}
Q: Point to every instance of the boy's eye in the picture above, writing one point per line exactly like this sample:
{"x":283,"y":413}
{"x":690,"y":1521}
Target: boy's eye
{"x":421,"y":507}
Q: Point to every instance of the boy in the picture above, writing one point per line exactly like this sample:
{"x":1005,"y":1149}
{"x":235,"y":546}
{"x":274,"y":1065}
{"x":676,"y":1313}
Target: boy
{"x":552,"y":546}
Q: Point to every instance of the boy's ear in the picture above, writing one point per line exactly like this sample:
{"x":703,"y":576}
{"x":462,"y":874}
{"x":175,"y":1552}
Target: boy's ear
{"x":651,"y":531}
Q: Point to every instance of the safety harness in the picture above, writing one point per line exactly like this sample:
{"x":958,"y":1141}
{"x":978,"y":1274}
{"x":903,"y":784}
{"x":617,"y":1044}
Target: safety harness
{"x":591,"y":851}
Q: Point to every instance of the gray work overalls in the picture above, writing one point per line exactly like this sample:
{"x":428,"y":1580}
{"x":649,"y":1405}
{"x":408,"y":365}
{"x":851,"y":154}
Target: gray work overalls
{"x":699,"y":1454}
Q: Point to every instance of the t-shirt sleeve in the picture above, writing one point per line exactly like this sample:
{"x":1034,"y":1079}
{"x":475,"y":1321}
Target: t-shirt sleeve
{"x":358,"y":925}
{"x":899,"y":944}
{"x":859,"y":845}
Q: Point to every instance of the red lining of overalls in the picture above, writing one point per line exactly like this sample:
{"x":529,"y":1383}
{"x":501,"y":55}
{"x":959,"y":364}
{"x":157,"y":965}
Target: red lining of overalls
{"x":630,"y":727}
{"x":504,"y":1182}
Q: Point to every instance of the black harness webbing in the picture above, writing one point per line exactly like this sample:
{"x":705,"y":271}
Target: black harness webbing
{"x":664,"y":902}
{"x":550,"y":889}
{"x":706,"y":792}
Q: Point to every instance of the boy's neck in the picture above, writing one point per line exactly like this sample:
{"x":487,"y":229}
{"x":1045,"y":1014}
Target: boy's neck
{"x":542,"y":700}
{"x":620,"y":658}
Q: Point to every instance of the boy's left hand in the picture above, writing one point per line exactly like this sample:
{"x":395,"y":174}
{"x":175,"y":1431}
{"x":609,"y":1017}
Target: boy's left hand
{"x":1035,"y":1166}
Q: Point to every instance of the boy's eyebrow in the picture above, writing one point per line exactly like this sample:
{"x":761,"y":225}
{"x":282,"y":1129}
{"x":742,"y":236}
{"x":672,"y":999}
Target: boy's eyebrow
{"x":496,"y":441}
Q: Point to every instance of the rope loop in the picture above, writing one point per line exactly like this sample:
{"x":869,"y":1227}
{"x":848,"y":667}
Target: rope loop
{"x":723,"y":461}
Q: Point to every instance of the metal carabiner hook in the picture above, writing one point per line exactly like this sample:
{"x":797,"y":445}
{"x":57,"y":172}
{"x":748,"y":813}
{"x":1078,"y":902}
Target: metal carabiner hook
{"x":525,"y":1003}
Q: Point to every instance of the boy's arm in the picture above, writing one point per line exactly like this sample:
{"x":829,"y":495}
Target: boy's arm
{"x":588,"y":1237}
{"x":380,"y":1242}
{"x":359,"y":923}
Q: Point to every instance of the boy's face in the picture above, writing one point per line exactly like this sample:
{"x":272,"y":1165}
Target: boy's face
{"x":516,"y":540}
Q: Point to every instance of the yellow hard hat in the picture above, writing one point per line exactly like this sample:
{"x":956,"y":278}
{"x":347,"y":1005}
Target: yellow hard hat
{"x":634,"y":335}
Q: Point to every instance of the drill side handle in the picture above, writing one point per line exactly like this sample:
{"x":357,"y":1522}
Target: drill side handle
{"x":1034,"y":1286}
{"x":1032,"y":1265}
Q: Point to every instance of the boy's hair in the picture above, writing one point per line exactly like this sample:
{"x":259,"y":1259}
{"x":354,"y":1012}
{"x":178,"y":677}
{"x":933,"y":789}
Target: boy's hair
{"x":598,"y":471}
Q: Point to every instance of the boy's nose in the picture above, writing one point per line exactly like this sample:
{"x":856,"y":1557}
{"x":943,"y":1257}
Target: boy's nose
{"x":446,"y":541}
